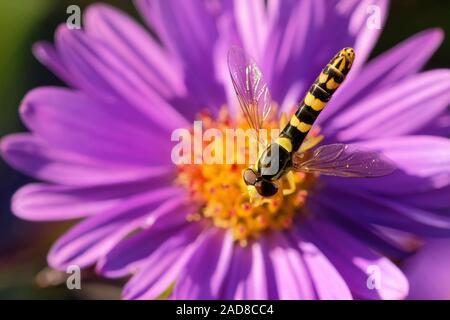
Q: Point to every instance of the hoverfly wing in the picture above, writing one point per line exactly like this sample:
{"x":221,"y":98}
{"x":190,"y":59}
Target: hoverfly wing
{"x":251,"y":89}
{"x":343,"y":160}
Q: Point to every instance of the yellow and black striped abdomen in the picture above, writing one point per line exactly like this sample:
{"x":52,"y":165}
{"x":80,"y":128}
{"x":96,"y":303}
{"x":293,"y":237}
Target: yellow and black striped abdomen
{"x":317,"y":97}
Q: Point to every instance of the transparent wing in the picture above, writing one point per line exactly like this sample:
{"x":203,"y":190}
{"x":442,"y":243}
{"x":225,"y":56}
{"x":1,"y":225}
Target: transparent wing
{"x":251,"y":89}
{"x":343,"y":160}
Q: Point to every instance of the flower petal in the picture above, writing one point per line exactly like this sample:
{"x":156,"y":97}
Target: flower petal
{"x":91,"y":128}
{"x":292,"y":275}
{"x":102,"y":73}
{"x":423,"y":164}
{"x":47,"y":54}
{"x":385,"y":211}
{"x":251,"y":275}
{"x":395,"y":111}
{"x":29,"y":154}
{"x":356,"y":263}
{"x":288,"y":58}
{"x":134,"y":252}
{"x":44,"y":202}
{"x":328,"y":283}
{"x":364,"y":231}
{"x":427,"y":271}
{"x":164,"y":265}
{"x":436,"y":199}
{"x":94,"y":237}
{"x":251,"y":21}
{"x":189,"y":31}
{"x":206,"y":268}
{"x":133,"y":43}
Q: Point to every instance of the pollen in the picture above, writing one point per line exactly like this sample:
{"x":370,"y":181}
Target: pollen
{"x":222,"y":196}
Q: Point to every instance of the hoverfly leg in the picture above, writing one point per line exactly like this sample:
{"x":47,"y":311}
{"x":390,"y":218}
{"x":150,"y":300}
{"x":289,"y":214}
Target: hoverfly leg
{"x":291,"y":182}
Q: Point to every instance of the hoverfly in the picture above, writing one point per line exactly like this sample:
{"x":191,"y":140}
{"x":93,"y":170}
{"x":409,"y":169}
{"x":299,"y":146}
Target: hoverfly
{"x":291,"y":152}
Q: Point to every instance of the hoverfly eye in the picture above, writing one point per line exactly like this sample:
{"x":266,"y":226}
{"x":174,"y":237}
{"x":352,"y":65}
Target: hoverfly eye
{"x":249,"y":177}
{"x":266,"y":188}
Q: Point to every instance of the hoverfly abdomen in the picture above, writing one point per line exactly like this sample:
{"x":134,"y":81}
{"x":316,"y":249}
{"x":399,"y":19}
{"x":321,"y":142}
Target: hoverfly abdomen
{"x":317,"y":97}
{"x":331,"y":78}
{"x":296,"y":136}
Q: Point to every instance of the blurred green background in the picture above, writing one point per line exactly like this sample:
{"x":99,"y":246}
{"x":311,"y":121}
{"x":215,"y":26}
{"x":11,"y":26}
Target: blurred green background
{"x":23,"y":245}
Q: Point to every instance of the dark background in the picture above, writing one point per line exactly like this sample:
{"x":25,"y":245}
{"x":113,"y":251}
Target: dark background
{"x":23,"y":245}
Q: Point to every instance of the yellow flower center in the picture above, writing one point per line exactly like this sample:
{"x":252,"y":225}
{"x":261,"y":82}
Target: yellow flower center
{"x":222,"y":195}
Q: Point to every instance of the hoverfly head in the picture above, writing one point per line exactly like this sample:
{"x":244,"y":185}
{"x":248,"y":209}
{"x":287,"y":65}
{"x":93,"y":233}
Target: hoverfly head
{"x":257,"y":187}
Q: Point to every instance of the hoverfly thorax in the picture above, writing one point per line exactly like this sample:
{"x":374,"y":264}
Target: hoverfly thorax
{"x":273,"y":162}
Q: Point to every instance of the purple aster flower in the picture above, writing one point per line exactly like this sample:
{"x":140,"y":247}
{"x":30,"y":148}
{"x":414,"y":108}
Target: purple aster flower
{"x":102,"y":149}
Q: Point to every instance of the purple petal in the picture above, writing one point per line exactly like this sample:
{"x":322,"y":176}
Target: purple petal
{"x":292,"y":275}
{"x":94,"y":237}
{"x":293,"y":41}
{"x":239,"y":270}
{"x":384,"y":211}
{"x":91,"y":128}
{"x":131,"y":41}
{"x":47,"y":54}
{"x":44,"y":202}
{"x":130,"y":254}
{"x":156,"y":65}
{"x":34,"y":157}
{"x":423,"y":164}
{"x":328,"y":283}
{"x":437,"y":199}
{"x":172,"y":27}
{"x":439,"y":127}
{"x":260,"y":284}
{"x":355,"y":262}
{"x":395,"y":111}
{"x":252,"y":26}
{"x":103,"y":73}
{"x":164,"y":265}
{"x":427,"y":271}
{"x":189,"y":31}
{"x":251,"y":274}
{"x":228,"y":37}
{"x":363,"y":231}
{"x":206,"y":268}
